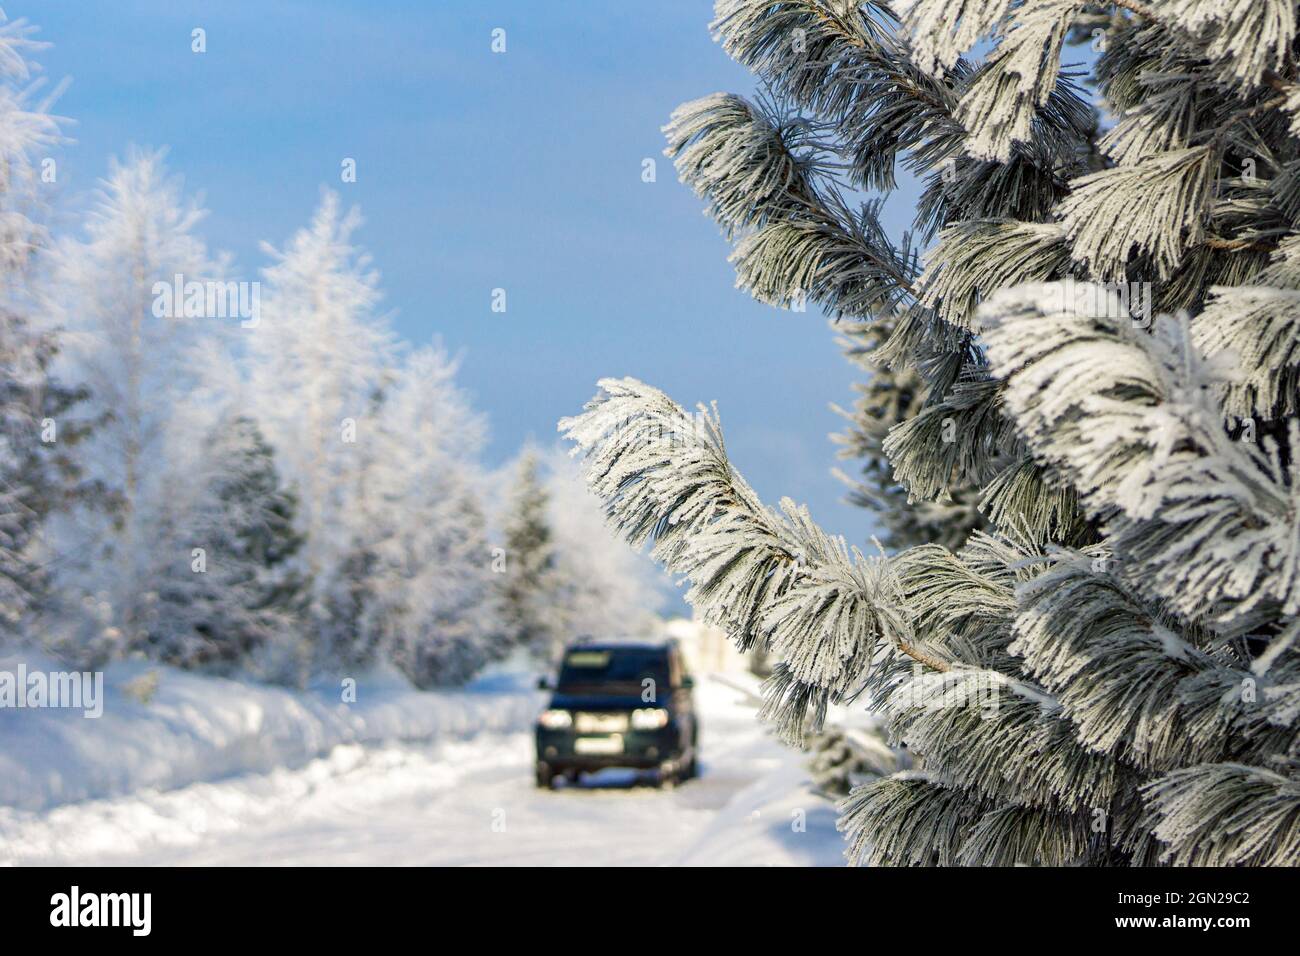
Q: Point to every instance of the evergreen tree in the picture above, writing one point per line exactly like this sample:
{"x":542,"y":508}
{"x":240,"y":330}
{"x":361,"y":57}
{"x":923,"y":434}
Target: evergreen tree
{"x":448,"y":630}
{"x":530,"y":583}
{"x":601,"y":587}
{"x":567,"y":575}
{"x":40,"y":429}
{"x":887,"y":398}
{"x":41,"y":419}
{"x":1109,"y":675}
{"x":427,"y":598}
{"x":320,"y":360}
{"x":133,"y":357}
{"x":230,"y":595}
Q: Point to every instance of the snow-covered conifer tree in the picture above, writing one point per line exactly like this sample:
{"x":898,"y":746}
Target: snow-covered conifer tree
{"x":566,"y":575}
{"x":889,"y":397}
{"x":428,"y":600}
{"x":132,"y":356}
{"x":530,"y":579}
{"x":40,"y":473}
{"x":229,"y":594}
{"x":41,"y":417}
{"x":603,"y":588}
{"x":320,"y":358}
{"x":1110,"y":674}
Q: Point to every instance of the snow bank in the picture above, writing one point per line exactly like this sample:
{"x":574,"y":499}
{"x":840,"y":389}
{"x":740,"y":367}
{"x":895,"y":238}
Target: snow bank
{"x":194,"y":728}
{"x":776,"y":821}
{"x":438,"y":801}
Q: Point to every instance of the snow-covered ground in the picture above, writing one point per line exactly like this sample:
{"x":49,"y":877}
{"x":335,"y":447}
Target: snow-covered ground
{"x":163,"y":728}
{"x":455,"y":788}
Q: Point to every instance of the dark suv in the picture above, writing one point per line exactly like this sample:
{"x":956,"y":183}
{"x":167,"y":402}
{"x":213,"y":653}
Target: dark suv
{"x":618,"y":704}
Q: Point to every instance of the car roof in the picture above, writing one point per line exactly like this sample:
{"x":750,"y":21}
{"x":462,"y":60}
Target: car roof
{"x":616,"y":644}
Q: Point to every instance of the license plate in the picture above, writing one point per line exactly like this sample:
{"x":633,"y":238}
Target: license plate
{"x":599,"y":745}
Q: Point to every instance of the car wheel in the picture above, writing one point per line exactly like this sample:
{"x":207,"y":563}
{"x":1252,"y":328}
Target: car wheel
{"x":545,"y":777}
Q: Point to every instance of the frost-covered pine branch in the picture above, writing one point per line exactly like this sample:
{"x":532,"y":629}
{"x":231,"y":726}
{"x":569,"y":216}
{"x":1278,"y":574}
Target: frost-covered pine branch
{"x":1129,"y":417}
{"x":889,"y":397}
{"x":1110,"y":673}
{"x":764,"y":576}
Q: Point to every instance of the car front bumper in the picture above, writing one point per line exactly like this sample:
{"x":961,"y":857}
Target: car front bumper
{"x":639,"y":749}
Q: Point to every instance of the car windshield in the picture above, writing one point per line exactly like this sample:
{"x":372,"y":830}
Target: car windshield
{"x":618,"y":670}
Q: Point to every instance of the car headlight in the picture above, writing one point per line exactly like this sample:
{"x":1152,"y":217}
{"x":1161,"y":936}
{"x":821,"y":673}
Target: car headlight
{"x":555,"y":719}
{"x":649,"y":718}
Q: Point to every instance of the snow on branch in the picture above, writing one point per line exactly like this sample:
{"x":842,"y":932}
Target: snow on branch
{"x":1259,"y":326}
{"x":1248,"y":37}
{"x":851,"y":271}
{"x":1159,"y":123}
{"x":942,"y":30}
{"x":811,"y":51}
{"x":1155,"y":208}
{"x":795,"y":243}
{"x":1209,"y":524}
{"x":781,"y":40}
{"x":998,"y":107}
{"x":823,"y":608}
{"x":846,"y":64}
{"x":949,"y":600}
{"x":1021,"y":494}
{"x":977,"y":256}
{"x":914,"y":819}
{"x":735,"y":157}
{"x":1225,"y":814}
{"x":907,"y":819}
{"x":1019,"y":835}
{"x":960,"y":440}
{"x":1292,"y":108}
{"x":1000,"y":738}
{"x":1129,"y":683}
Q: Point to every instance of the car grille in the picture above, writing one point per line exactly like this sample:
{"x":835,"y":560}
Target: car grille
{"x":588,"y":723}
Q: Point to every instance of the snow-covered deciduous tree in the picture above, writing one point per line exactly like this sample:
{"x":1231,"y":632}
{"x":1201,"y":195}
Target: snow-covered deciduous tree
{"x":381,"y":451}
{"x":320,"y":359}
{"x":28,"y":132}
{"x":1108,"y":674}
{"x":132,"y":356}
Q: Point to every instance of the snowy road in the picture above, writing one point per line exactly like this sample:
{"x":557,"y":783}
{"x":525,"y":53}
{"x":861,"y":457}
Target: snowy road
{"x":462,"y":802}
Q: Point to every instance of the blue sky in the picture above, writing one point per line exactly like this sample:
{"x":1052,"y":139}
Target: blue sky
{"x":476,"y":170}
